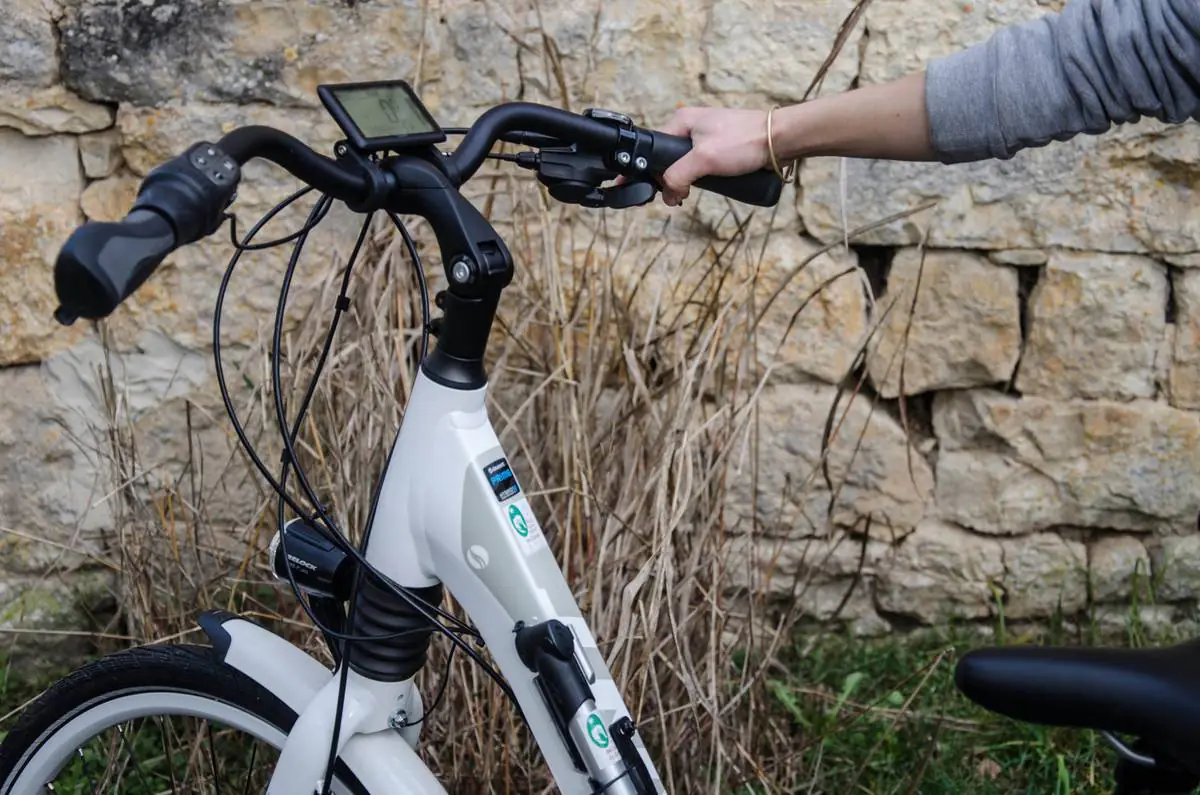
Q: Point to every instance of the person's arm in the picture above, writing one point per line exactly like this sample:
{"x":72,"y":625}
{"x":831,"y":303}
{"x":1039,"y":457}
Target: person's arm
{"x":1096,"y":63}
{"x":884,"y":122}
{"x":1099,"y":62}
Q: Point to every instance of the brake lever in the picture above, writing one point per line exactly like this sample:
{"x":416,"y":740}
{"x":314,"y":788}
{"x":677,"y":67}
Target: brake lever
{"x":575,"y":177}
{"x":630,"y":194}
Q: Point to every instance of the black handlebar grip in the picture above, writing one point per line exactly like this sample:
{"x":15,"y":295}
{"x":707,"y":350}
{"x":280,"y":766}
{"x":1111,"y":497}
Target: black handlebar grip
{"x":102,"y":264}
{"x":179,"y":202}
{"x":761,"y":188}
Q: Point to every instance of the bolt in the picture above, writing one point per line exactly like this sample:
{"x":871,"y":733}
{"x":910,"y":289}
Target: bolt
{"x":461,"y":271}
{"x":398,"y":720}
{"x":640,"y":164}
{"x":200,"y":161}
{"x":341,"y":150}
{"x":212,"y":152}
{"x":623,"y":158}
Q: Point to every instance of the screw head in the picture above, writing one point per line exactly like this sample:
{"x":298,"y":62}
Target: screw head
{"x":341,"y":149}
{"x":398,"y":720}
{"x":623,"y":158}
{"x":460,"y":271}
{"x":641,"y":164}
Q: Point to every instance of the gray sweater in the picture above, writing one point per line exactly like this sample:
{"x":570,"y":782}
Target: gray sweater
{"x":1096,"y":63}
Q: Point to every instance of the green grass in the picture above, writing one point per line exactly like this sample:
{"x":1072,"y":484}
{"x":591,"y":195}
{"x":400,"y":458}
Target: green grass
{"x":883,"y":717}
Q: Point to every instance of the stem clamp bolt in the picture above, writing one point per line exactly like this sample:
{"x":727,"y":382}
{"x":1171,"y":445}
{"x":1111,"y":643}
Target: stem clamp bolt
{"x":463,"y":270}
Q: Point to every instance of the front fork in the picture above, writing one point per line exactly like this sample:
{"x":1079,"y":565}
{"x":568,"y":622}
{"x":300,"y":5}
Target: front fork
{"x":367,"y":707}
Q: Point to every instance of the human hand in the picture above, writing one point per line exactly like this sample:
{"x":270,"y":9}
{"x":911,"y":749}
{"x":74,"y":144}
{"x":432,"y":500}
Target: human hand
{"x":726,"y":142}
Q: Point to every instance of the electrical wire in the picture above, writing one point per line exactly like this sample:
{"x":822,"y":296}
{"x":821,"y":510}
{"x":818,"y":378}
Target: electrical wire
{"x":422,"y":607}
{"x":332,"y":533}
{"x":431,"y":613}
{"x":441,"y":691}
{"x":422,"y":284}
{"x":290,"y":457}
{"x":419,"y":605}
{"x":308,"y":227}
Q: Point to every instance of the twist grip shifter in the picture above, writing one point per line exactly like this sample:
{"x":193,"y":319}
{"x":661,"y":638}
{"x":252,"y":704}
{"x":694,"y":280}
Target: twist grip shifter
{"x":179,"y":202}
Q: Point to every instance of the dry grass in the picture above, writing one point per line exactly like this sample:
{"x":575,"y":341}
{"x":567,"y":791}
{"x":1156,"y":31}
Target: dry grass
{"x":625,"y":395}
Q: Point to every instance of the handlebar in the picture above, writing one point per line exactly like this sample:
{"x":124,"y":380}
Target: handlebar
{"x":184,"y":199}
{"x":760,"y":188}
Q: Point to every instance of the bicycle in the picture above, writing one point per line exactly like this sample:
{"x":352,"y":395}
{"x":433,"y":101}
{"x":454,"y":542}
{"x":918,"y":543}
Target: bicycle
{"x":448,"y":512}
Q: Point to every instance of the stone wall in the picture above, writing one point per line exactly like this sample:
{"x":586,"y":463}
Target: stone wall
{"x":1047,"y":450}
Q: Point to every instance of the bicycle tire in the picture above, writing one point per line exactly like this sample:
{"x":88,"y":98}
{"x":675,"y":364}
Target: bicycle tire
{"x":162,"y":671}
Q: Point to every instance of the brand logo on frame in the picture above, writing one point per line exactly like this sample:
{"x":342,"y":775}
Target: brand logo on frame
{"x":596,"y":731}
{"x":477,"y":556}
{"x":517,"y":520}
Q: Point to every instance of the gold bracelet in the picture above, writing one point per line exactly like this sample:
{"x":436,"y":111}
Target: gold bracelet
{"x":785,"y":176}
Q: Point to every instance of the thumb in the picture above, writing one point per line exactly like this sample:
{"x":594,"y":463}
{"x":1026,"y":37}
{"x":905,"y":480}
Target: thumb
{"x":684,"y":171}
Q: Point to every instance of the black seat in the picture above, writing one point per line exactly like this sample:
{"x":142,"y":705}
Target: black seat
{"x":1153,"y":694}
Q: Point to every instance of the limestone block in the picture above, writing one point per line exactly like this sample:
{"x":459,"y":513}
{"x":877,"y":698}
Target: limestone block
{"x":1096,"y":322}
{"x":40,"y":183}
{"x":868,"y":466}
{"x":1011,"y":466}
{"x":942,"y":572}
{"x":964,"y":330}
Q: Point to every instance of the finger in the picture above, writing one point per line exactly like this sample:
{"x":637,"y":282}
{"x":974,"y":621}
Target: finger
{"x":679,"y":124}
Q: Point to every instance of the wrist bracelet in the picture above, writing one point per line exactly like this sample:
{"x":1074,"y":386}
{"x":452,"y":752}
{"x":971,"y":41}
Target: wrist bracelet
{"x":785,"y":176}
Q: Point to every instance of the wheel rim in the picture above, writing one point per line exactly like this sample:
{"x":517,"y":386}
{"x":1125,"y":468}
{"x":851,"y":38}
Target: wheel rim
{"x":109,"y":745}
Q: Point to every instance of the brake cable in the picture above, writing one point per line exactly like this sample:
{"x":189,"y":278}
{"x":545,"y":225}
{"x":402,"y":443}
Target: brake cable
{"x":318,"y":213}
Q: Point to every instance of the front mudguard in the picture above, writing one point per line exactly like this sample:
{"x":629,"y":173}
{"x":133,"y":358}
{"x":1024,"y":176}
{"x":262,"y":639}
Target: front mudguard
{"x":382,"y":761}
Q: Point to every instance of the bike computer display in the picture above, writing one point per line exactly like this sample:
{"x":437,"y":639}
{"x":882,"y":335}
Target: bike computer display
{"x":380,"y":115}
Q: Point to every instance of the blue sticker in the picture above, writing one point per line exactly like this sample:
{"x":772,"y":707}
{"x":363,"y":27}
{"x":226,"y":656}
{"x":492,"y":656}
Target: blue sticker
{"x":502,"y":480}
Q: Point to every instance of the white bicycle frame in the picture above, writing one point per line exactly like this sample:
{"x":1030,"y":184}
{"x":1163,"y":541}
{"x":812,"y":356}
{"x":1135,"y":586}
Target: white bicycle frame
{"x":439,"y":520}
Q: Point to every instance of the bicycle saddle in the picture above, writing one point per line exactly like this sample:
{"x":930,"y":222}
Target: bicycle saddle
{"x":1153,"y":694}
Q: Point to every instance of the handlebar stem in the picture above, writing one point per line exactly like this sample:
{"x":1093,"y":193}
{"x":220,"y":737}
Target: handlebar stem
{"x":478,"y":267}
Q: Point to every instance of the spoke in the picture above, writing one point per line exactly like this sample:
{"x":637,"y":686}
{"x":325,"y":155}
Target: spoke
{"x":167,"y":749}
{"x":84,"y":762}
{"x":109,"y":767}
{"x":250,"y":769}
{"x":128,"y":760}
{"x":212,"y":758}
{"x":137,"y":763}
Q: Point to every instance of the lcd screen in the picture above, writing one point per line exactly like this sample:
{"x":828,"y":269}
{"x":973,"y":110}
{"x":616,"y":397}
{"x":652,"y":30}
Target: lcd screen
{"x":384,"y":111}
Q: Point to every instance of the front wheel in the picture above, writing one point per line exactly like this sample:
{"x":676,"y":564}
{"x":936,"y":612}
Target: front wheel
{"x":150,"y":720}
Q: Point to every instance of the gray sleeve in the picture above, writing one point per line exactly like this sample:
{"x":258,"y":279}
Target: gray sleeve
{"x":1097,"y":63}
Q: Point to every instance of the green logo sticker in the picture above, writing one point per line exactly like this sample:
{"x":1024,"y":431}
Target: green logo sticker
{"x":596,"y":731}
{"x":517,"y":519}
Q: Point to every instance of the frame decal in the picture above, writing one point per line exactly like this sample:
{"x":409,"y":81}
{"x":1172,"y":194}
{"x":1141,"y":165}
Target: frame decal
{"x":502,"y":480}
